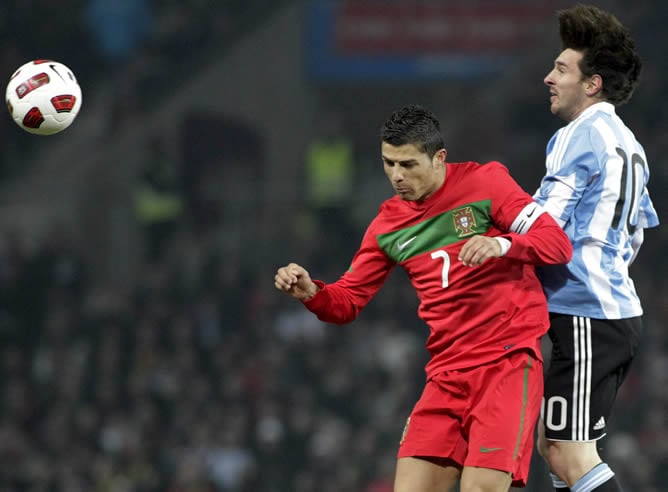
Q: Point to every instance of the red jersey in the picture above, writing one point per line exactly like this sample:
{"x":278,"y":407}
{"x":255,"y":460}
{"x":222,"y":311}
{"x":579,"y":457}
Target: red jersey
{"x":475,"y":314}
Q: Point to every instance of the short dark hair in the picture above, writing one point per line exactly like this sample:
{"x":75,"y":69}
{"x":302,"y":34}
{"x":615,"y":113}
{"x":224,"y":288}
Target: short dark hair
{"x":607,"y":47}
{"x":416,"y":125}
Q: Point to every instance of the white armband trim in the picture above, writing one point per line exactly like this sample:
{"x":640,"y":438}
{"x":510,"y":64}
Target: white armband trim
{"x":526,"y":218}
{"x":504,"y":243}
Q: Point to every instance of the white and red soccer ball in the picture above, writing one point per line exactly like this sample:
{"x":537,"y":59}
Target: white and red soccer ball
{"x":43,"y":97}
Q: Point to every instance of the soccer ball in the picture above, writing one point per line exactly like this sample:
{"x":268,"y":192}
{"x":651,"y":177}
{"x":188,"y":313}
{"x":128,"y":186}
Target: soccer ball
{"x":43,"y":97}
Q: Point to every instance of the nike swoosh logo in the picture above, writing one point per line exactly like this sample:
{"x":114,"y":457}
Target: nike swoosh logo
{"x":401,"y":246}
{"x":489,"y":450}
{"x":532,"y":211}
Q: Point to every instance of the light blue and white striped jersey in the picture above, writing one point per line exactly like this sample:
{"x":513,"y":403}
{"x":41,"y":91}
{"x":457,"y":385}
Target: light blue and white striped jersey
{"x":596,"y":189}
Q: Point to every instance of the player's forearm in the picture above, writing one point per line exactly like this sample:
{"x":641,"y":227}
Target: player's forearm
{"x":544,"y":244}
{"x":332,"y":304}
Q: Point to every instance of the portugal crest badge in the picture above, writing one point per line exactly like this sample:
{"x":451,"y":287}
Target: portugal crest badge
{"x":464,"y":221}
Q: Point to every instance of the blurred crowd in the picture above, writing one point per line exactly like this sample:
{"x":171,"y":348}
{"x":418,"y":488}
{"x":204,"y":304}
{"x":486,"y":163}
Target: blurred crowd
{"x":200,"y":377}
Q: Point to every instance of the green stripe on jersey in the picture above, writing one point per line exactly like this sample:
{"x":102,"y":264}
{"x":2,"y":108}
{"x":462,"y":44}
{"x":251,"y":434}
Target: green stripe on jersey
{"x":438,"y":231}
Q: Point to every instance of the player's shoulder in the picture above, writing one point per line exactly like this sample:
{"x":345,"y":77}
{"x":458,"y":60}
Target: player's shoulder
{"x":590,"y":137}
{"x":480,"y":169}
{"x":495,"y":167}
{"x":589,"y":124}
{"x":477,"y":166}
{"x":579,"y":136}
{"x":475,"y":175}
{"x":390,"y":212}
{"x":390,"y":206}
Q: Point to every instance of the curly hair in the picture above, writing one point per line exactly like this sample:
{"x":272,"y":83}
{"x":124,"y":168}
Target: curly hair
{"x":416,"y":125}
{"x":607,"y":48}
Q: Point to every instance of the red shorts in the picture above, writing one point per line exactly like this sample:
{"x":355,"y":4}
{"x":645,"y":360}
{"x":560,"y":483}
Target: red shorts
{"x":481,"y":416}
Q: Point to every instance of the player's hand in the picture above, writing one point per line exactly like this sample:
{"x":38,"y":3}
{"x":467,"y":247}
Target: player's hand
{"x":295,"y":281}
{"x":478,"y":250}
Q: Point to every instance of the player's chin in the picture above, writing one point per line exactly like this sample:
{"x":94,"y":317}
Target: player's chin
{"x":406,"y":195}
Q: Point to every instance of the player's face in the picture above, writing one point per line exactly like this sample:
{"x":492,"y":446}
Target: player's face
{"x":568,"y":87}
{"x":413,"y":175}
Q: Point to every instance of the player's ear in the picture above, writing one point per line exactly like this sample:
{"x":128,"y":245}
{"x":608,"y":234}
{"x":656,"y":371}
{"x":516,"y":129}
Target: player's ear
{"x":439,"y":157}
{"x":594,"y":85}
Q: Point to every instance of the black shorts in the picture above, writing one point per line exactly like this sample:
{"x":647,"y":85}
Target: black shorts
{"x":590,"y":359}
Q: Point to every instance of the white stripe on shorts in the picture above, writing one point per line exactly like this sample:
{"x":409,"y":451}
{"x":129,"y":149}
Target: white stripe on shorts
{"x":581,"y":378}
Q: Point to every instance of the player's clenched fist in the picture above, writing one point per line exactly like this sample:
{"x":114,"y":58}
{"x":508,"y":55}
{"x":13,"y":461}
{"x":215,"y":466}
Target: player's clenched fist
{"x":294,"y":280}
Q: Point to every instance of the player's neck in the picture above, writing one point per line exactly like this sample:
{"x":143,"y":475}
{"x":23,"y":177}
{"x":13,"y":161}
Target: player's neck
{"x":589,"y":103}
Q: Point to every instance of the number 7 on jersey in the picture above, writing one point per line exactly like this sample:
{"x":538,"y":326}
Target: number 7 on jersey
{"x":446,"y":265}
